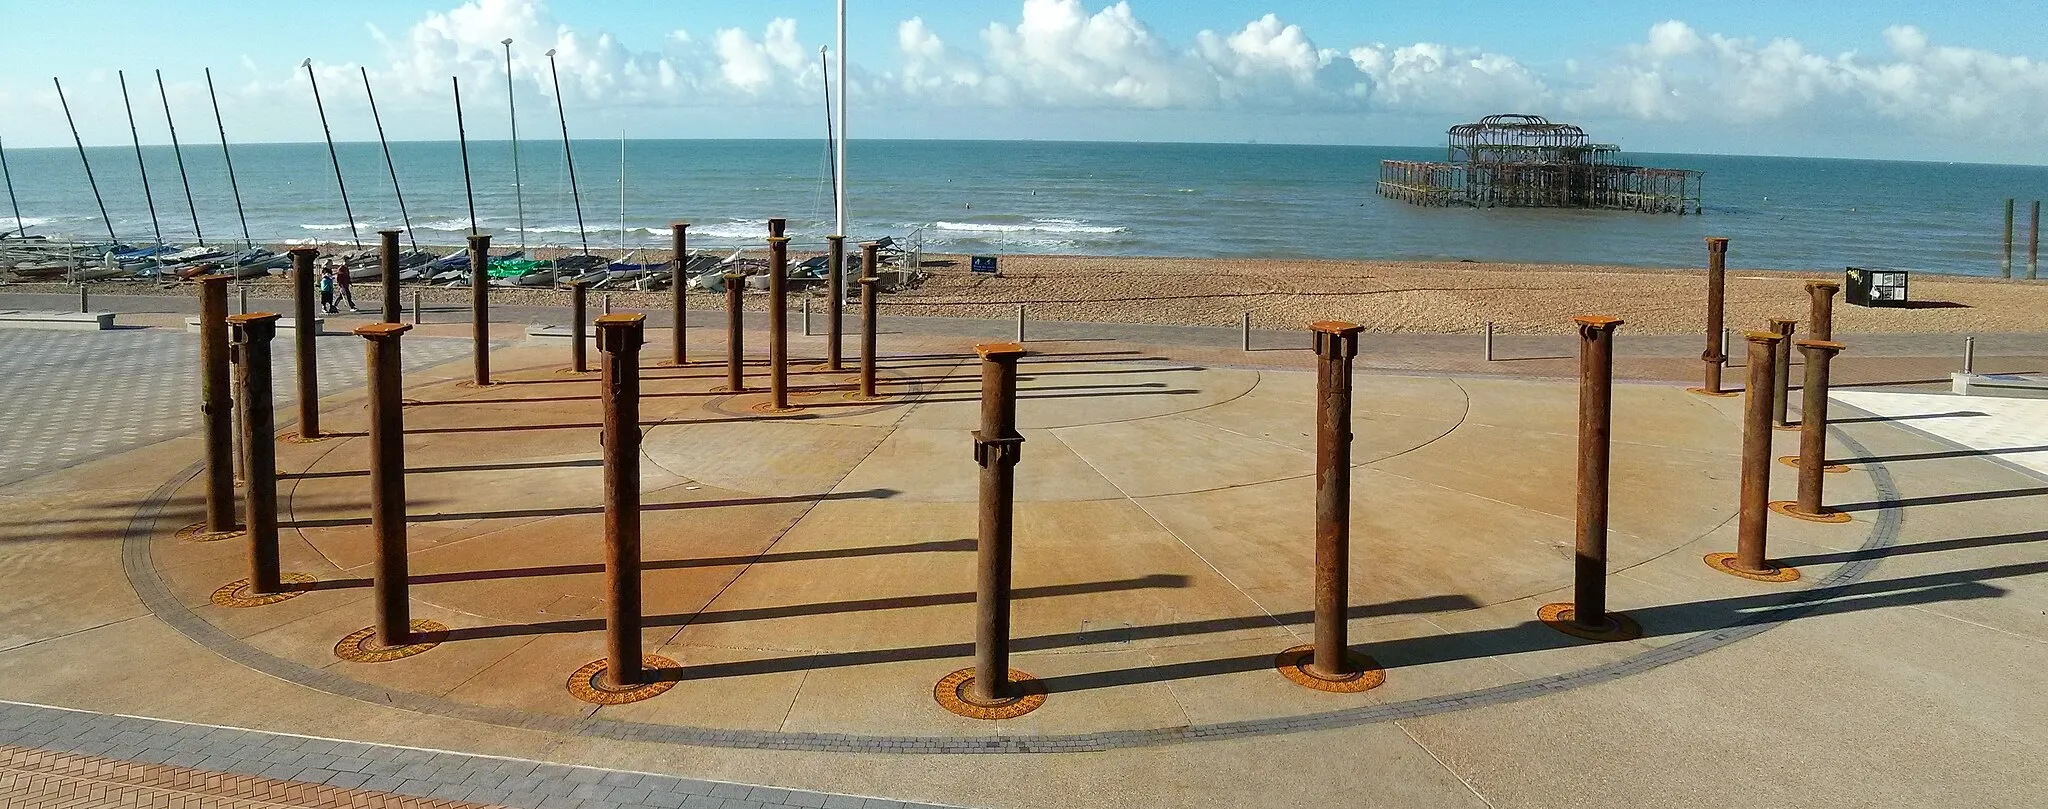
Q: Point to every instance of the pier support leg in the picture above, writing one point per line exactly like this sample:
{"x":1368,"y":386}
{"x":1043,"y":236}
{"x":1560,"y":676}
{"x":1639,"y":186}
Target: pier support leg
{"x":387,"y":260}
{"x":480,"y":307}
{"x":1781,"y":384}
{"x":868,"y":281}
{"x":395,"y":634}
{"x":1749,"y":560}
{"x":216,"y":406}
{"x":252,"y":338}
{"x":735,"y":334}
{"x":1820,"y":317}
{"x":835,"y":282}
{"x":991,"y":689}
{"x":679,"y":292}
{"x":778,"y":324}
{"x":1813,"y":437}
{"x":1587,"y":616}
{"x":579,"y":299}
{"x":308,"y":359}
{"x":1717,"y":289}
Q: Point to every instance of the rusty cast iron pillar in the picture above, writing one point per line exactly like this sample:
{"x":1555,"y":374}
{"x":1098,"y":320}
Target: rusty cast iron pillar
{"x":1336,"y":344}
{"x":1821,"y":315}
{"x":778,"y":322}
{"x":835,"y":286}
{"x":1587,"y":615}
{"x":1781,"y":383}
{"x":867,"y":336}
{"x":618,"y":341}
{"x":1813,"y":436}
{"x":387,"y":262}
{"x":777,"y":228}
{"x":679,"y":288}
{"x":579,"y":312}
{"x":1749,"y":559}
{"x":1717,"y":291}
{"x":480,"y":305}
{"x":216,"y":404}
{"x":735,"y":333}
{"x":997,"y":448}
{"x":387,"y":480}
{"x":252,"y":335}
{"x":302,"y":341}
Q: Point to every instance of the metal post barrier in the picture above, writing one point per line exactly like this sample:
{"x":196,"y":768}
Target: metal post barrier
{"x":387,"y":260}
{"x":778,"y":323}
{"x":578,"y":335}
{"x":252,"y":334}
{"x":807,"y":315}
{"x":1717,"y":289}
{"x":1781,"y":383}
{"x":242,"y":293}
{"x":607,"y":301}
{"x":1247,"y":331}
{"x":1813,"y":437}
{"x":1587,"y":616}
{"x":1749,"y":560}
{"x":307,"y":358}
{"x":679,"y":291}
{"x":735,"y":334}
{"x":416,"y":308}
{"x":1489,"y":341}
{"x":480,"y":307}
{"x":1020,"y":323}
{"x":84,"y":299}
{"x":1820,"y":318}
{"x":991,"y":689}
{"x":2034,"y":242}
{"x":1969,"y":355}
{"x":216,"y":404}
{"x":835,"y":290}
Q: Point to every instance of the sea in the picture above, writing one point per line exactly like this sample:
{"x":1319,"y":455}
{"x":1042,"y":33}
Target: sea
{"x":1010,"y":197}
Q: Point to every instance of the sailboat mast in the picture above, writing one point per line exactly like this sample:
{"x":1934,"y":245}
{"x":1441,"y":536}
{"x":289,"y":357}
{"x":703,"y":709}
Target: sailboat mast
{"x":831,"y":141}
{"x":136,"y":136}
{"x":88,"y":163}
{"x":229,"y":159}
{"x":183,"y":178}
{"x":331,"y":156}
{"x":388,"y":164}
{"x":9,"y":177}
{"x":512,"y":113}
{"x":462,"y":137}
{"x":568,"y":156}
{"x":622,"y":189}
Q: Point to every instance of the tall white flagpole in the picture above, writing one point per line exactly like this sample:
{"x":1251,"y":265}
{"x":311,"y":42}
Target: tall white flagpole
{"x":839,"y":204}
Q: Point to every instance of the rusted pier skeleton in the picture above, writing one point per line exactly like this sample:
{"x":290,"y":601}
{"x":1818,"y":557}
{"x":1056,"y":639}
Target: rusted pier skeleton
{"x":1587,"y":616}
{"x":480,"y":307}
{"x":625,"y":674}
{"x":1329,"y":664}
{"x":1717,"y":291}
{"x":991,"y":689}
{"x":679,"y":291}
{"x":1749,"y":560}
{"x":216,"y":405}
{"x":252,"y":336}
{"x":387,"y":262}
{"x":1813,"y":437}
{"x":307,"y":359}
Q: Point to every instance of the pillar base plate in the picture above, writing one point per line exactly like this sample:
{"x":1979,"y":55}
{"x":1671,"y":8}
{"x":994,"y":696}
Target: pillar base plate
{"x":236,"y":595}
{"x":293,"y":437}
{"x":588,"y":683}
{"x":471,"y":383}
{"x":574,"y":372}
{"x":1832,"y":469}
{"x":954,"y":693}
{"x":1772,"y":572}
{"x":855,"y":396}
{"x":197,"y":532}
{"x":360,"y":645}
{"x":1294,"y":665}
{"x":1790,"y":508}
{"x":770,"y":409}
{"x":1726,"y":394}
{"x":1561,"y":617}
{"x":1787,"y":428}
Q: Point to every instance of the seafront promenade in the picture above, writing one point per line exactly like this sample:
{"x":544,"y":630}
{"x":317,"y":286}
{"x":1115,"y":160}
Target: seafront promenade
{"x":811,"y":575}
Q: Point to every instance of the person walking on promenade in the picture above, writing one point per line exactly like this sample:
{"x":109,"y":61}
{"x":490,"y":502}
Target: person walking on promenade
{"x":347,"y":292}
{"x":327,"y":290}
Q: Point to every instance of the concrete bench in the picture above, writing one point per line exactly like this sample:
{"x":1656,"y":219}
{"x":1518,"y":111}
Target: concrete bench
{"x":74,"y":321}
{"x":1999,"y":385}
{"x":284,"y":324}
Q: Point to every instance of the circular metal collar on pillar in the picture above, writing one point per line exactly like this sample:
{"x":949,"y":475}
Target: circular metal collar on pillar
{"x":955,"y":691}
{"x":1832,"y":469}
{"x":1790,"y":508}
{"x":1772,"y":572}
{"x":236,"y":594}
{"x":1366,"y":672}
{"x":197,"y":532}
{"x":588,"y":683}
{"x":360,"y":645}
{"x":1614,"y":627}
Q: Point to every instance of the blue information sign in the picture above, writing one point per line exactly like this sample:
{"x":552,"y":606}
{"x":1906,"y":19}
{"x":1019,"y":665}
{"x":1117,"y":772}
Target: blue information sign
{"x":985,"y":264}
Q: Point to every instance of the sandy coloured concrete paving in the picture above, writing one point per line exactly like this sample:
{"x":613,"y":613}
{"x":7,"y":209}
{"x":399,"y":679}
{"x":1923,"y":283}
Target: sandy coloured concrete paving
{"x":813,"y":575}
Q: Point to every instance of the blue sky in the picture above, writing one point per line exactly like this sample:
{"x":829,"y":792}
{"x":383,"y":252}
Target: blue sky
{"x":1883,"y":78}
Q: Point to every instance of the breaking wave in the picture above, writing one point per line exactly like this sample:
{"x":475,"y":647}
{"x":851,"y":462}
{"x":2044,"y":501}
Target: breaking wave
{"x":1055,"y":226}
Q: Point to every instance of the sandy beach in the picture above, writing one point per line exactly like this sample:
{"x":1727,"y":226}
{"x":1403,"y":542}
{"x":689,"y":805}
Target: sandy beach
{"x":1384,"y":296}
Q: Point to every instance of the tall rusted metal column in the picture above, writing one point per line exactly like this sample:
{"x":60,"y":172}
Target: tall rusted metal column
{"x":1587,"y":616}
{"x":679,"y":291}
{"x":387,"y":260}
{"x":1813,"y":436}
{"x":1717,"y":291}
{"x":579,"y":299}
{"x":1781,"y":385}
{"x":735,"y":333}
{"x":480,"y":306}
{"x":619,"y":338}
{"x":308,"y":360}
{"x":835,"y":285}
{"x":216,"y":404}
{"x":1336,"y":345}
{"x":387,"y":481}
{"x":1749,"y":560}
{"x":777,"y":228}
{"x":867,"y":328}
{"x":997,"y":448}
{"x":1821,"y":309}
{"x":778,"y":322}
{"x":251,"y":338}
